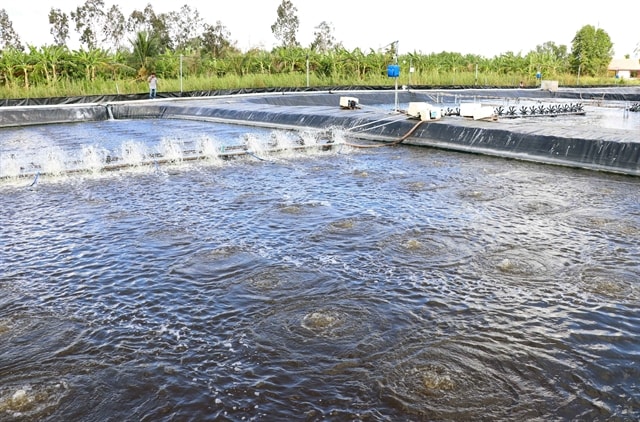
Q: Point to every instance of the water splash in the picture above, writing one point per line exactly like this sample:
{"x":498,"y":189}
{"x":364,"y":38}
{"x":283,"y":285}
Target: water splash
{"x":10,"y":165}
{"x":52,"y":161}
{"x":94,"y":157}
{"x":125,"y":148}
{"x":133,"y":153}
{"x":253,"y":143}
{"x":171,"y":150}
{"x":209,"y":148}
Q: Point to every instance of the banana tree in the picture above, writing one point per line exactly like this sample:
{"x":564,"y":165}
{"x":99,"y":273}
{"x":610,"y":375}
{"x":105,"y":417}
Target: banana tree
{"x":90,"y":61}
{"x":50,"y":60}
{"x":509,"y":63}
{"x":256,"y":62}
{"x":286,"y":58}
{"x":15,"y":64}
{"x":349,"y":63}
{"x":8,"y":66}
{"x":262,"y":62}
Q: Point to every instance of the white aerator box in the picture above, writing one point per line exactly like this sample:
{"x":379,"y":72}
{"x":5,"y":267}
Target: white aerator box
{"x":424,"y":111}
{"x":349,"y":102}
{"x":477,"y":111}
{"x":468,"y":109}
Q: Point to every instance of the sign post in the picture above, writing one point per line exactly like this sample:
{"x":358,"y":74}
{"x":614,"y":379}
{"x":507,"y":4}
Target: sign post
{"x":393,"y":71}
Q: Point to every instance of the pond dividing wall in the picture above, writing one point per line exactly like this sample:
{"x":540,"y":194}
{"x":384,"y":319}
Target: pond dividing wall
{"x":568,"y":141}
{"x":50,"y":114}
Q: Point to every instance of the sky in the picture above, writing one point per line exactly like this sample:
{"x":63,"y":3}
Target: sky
{"x":486,"y":28}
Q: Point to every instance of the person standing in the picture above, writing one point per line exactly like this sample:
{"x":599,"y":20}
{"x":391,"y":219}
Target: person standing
{"x":153,"y":85}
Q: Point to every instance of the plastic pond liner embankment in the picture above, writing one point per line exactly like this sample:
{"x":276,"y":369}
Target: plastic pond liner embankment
{"x":605,"y":137}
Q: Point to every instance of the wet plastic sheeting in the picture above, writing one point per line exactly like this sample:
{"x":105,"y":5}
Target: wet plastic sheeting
{"x":593,"y":154}
{"x":147,"y":110}
{"x":296,"y":117}
{"x":23,"y":116}
{"x":631,"y":94}
{"x":579,"y":145}
{"x":13,"y":102}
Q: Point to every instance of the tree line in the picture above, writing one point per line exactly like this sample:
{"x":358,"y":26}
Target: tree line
{"x":116,"y":47}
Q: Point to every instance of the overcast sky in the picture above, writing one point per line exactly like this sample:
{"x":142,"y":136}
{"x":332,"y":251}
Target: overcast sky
{"x":486,"y":28}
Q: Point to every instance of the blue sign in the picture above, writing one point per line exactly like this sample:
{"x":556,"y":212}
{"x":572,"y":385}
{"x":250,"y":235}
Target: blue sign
{"x":393,"y":70}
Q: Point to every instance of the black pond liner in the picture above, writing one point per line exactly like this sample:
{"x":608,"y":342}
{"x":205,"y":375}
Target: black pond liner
{"x":594,"y":149}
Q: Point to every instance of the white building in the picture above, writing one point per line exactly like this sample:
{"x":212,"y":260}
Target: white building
{"x":624,"y":68}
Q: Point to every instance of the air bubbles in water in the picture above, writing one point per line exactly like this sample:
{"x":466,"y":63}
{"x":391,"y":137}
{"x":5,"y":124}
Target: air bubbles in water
{"x":506,"y":265}
{"x":30,"y":402}
{"x":320,"y":321}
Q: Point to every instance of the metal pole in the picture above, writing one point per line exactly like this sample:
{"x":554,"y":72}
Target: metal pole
{"x":396,"y":101}
{"x":396,"y":78}
{"x":578,"y":81}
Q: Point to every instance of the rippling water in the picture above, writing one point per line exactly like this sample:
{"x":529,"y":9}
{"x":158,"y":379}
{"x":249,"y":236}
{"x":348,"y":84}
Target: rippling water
{"x":392,"y":283}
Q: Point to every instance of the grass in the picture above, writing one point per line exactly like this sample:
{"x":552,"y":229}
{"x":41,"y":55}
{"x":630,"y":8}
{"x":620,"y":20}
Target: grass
{"x":69,"y":88}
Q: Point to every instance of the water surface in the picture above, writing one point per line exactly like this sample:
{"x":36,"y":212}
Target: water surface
{"x":392,"y":283}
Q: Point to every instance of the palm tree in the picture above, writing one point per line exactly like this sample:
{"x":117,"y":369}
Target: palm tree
{"x":118,"y":64}
{"x":146,"y":47}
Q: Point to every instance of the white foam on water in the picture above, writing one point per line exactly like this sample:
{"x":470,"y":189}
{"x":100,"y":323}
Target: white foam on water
{"x":10,"y":165}
{"x":53,"y":160}
{"x":133,"y":153}
{"x":209,"y":147}
{"x":339,"y":135}
{"x":171,"y":150}
{"x":254,"y":143}
{"x":94,"y":157}
{"x":282,"y":139}
{"x":31,"y":401}
{"x":39,"y":156}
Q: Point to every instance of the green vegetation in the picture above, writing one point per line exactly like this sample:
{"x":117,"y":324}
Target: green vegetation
{"x":187,"y":54}
{"x":56,"y":71}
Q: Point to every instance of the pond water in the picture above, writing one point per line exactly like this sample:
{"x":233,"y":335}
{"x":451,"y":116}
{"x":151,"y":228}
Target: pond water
{"x":392,"y":283}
